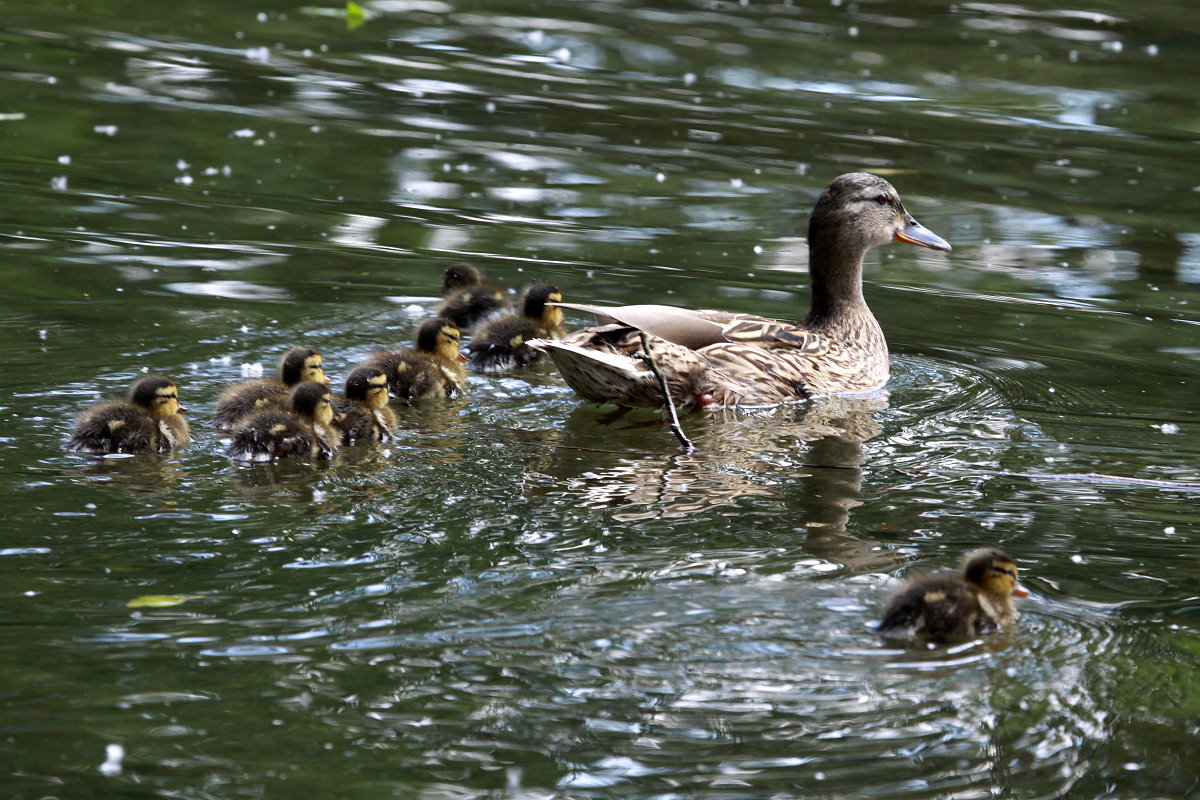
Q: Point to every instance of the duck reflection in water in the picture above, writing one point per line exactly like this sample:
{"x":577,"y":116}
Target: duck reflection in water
{"x":800,"y":460}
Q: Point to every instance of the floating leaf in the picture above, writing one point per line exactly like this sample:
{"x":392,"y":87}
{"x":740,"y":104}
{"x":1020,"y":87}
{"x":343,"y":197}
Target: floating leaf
{"x":160,"y":600}
{"x":356,"y":15}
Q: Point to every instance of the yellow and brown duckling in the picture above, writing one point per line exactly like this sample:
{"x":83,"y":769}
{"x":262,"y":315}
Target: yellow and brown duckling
{"x":944,"y":607}
{"x":466,"y":299}
{"x":716,"y":358}
{"x":239,"y":401}
{"x":305,"y":430}
{"x":500,"y":343}
{"x":363,"y":414}
{"x":150,"y":421}
{"x":433,"y":368}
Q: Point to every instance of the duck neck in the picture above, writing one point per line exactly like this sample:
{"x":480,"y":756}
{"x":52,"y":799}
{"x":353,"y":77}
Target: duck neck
{"x":837,"y":297}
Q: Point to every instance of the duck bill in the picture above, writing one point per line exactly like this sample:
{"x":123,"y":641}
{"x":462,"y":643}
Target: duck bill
{"x":916,"y":233}
{"x":1020,"y":591}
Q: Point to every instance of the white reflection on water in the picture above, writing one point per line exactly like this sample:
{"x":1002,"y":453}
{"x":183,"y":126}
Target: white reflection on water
{"x":236,"y":290}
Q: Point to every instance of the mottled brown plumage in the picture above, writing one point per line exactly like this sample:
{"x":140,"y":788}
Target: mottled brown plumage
{"x":432,"y":369}
{"x":744,"y":360}
{"x":238,"y":402}
{"x":304,"y":431}
{"x":149,"y":421}
{"x":363,"y":414}
{"x":944,"y":607}
{"x":466,"y":299}
{"x":500,"y":345}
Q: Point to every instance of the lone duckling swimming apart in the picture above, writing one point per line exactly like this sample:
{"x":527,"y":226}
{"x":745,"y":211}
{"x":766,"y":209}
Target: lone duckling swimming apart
{"x":364,"y":415}
{"x":716,"y":358}
{"x":466,"y":299}
{"x":304,"y":431}
{"x":500,"y":344}
{"x":150,"y":421}
{"x":238,"y":402}
{"x":946,"y":607}
{"x":433,"y":368}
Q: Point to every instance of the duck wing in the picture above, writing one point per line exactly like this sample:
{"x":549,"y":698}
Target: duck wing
{"x":697,"y":329}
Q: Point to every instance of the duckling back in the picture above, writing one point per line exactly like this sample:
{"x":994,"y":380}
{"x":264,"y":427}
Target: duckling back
{"x":940,"y":607}
{"x":117,"y":427}
{"x":466,"y":299}
{"x":239,"y":402}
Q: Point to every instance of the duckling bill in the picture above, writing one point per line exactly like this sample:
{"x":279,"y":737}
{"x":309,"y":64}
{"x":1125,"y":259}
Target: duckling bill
{"x":150,"y":421}
{"x":945,"y":607}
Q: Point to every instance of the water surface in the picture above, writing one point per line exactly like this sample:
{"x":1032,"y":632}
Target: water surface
{"x":518,"y":597}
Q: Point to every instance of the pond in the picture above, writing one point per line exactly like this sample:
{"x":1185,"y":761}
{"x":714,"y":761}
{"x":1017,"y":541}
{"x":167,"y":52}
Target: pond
{"x":521,"y":596}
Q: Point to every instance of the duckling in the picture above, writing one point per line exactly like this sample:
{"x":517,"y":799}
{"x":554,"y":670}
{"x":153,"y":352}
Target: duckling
{"x":364,"y":413}
{"x":951,"y":607}
{"x":240,"y":400}
{"x":304,"y":431}
{"x":150,"y":421}
{"x":432,"y":369}
{"x":466,"y":299}
{"x":500,"y":343}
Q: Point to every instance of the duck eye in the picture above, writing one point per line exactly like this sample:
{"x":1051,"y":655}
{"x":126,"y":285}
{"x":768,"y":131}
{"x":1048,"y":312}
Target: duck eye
{"x":883,"y":199}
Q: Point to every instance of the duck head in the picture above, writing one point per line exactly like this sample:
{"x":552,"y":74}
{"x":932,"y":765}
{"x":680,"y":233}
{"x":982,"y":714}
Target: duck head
{"x":859,"y":210}
{"x":302,"y":364}
{"x":156,"y":394}
{"x":459,"y":275}
{"x":537,"y":296}
{"x":369,"y":386}
{"x":439,"y":337}
{"x":311,"y":401}
{"x":993,"y":572}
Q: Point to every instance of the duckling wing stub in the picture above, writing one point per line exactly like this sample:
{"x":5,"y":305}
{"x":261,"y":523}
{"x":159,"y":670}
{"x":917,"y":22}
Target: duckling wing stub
{"x":681,"y":326}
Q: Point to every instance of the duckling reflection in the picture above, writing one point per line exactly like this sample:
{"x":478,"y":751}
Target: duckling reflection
{"x":739,"y":455}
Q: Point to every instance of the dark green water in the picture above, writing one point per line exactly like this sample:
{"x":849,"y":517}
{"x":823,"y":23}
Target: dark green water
{"x":516,"y":599}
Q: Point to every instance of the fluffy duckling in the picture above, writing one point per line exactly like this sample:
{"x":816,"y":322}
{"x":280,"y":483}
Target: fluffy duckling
{"x":304,"y":431}
{"x":951,"y":607}
{"x":241,"y":400}
{"x":364,"y":414}
{"x":466,"y":299}
{"x":432,"y":369}
{"x":500,"y":343}
{"x":150,"y":421}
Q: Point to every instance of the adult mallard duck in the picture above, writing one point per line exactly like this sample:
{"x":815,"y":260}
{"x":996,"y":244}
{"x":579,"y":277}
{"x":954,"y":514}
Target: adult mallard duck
{"x":150,"y":421}
{"x":434,"y":368}
{"x":363,"y":414}
{"x":951,"y":607}
{"x":500,"y":344}
{"x":714,"y":358}
{"x":305,"y":430}
{"x":239,"y":401}
{"x":466,"y":299}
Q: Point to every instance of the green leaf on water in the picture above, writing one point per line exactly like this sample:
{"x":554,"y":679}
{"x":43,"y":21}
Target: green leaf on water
{"x":356,"y":15}
{"x":160,"y":600}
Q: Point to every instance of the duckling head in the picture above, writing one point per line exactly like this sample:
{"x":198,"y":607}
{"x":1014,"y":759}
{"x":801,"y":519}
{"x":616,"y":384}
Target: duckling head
{"x":368,"y":385}
{"x":536,"y":297}
{"x":156,"y":394}
{"x":993,"y":572}
{"x":302,"y":364}
{"x":459,"y":275}
{"x":439,"y":337}
{"x":859,"y":210}
{"x":312,"y":401}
